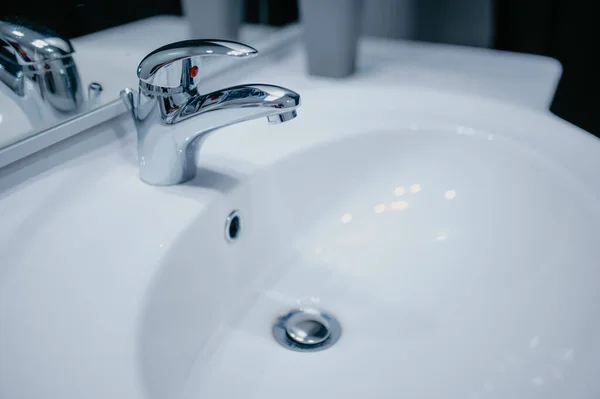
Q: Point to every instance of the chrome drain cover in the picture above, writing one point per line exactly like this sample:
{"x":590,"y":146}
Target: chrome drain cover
{"x":306,"y":330}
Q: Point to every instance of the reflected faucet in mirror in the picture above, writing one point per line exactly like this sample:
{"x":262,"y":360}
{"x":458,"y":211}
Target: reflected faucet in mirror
{"x":38,"y":72}
{"x":172,"y":117}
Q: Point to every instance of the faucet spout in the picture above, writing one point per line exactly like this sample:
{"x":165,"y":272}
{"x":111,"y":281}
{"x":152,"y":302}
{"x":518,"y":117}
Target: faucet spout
{"x":169,"y":135}
{"x":241,"y":103}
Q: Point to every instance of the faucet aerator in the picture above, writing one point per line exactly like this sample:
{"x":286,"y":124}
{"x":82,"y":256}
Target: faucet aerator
{"x":283,"y":117}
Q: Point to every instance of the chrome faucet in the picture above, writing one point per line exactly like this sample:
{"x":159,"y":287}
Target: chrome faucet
{"x":172,"y":117}
{"x":38,"y":71}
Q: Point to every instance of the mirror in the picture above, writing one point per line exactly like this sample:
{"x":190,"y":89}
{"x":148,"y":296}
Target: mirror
{"x":63,"y":59}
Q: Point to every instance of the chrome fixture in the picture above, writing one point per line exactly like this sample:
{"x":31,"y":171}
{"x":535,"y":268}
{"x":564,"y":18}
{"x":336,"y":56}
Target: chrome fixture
{"x":38,"y":71}
{"x":168,"y":96}
{"x":306,"y":330}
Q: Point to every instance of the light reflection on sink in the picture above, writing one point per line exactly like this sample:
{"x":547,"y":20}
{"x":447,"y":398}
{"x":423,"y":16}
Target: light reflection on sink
{"x":460,"y":263}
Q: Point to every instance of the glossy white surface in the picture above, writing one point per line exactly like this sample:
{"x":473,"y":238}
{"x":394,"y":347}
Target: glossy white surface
{"x":454,"y":238}
{"x":458,"y":266}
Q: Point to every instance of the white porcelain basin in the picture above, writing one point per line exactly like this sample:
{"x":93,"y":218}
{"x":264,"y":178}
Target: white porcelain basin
{"x":461,"y":263}
{"x":454,"y":238}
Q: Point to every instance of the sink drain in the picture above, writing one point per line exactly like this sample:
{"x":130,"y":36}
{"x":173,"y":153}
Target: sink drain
{"x":306,"y":330}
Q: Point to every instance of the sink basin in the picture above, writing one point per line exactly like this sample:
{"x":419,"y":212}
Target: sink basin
{"x":453,"y":238}
{"x":460,"y":263}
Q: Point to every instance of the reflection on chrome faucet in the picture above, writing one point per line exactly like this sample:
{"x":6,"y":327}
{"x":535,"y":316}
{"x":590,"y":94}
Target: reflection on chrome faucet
{"x":38,"y":71}
{"x":167,"y":97}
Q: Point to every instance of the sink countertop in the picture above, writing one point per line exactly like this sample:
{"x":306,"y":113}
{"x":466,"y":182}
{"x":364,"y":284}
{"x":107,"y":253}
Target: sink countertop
{"x":81,"y":205}
{"x":523,"y":79}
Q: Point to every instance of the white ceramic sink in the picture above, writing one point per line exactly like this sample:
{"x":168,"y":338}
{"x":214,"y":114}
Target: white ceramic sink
{"x":454,"y":238}
{"x":461,"y":263}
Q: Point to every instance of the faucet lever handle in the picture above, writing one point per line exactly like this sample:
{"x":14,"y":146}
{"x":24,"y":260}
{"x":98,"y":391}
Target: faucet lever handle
{"x":184,"y":55}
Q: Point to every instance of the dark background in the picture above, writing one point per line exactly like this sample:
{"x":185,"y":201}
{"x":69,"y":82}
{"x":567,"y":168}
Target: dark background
{"x":569,"y":31}
{"x":563,"y":29}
